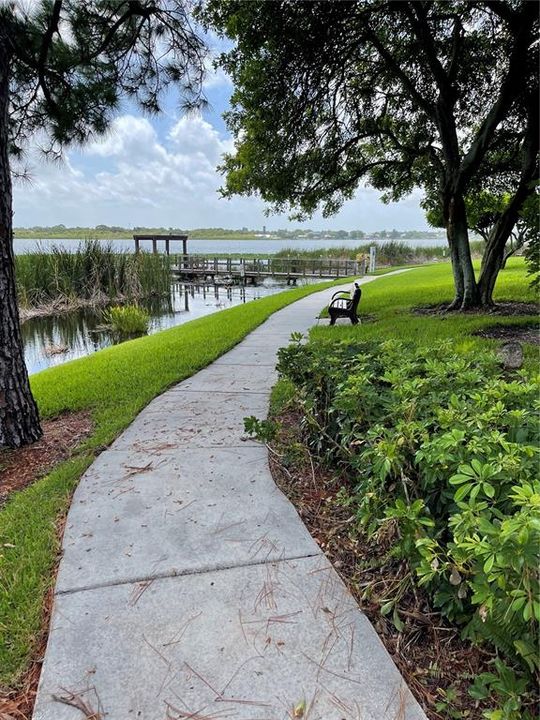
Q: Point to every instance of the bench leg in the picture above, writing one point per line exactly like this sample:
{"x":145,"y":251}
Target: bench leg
{"x":354,"y":320}
{"x":332,"y":319}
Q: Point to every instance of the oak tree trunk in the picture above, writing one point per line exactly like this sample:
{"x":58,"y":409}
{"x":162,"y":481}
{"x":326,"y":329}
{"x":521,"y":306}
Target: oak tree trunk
{"x":491,"y":265}
{"x":19,"y":420}
{"x":494,"y":258}
{"x":467,"y":295}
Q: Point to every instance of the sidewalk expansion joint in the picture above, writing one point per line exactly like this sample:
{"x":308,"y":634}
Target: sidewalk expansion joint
{"x":237,"y":364}
{"x":173,"y":451}
{"x":187,"y":573}
{"x":219,"y":392}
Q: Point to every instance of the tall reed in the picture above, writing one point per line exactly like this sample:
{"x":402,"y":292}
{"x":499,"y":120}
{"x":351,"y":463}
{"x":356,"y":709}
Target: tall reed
{"x":393,"y":252}
{"x":92,"y":272}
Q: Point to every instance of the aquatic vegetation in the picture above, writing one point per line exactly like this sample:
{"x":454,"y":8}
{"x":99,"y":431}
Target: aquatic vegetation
{"x":127,"y":319}
{"x":94,"y":272}
{"x":393,"y":252}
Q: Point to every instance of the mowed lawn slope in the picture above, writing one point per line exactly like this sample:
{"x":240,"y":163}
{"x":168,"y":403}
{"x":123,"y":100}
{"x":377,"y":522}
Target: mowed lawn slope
{"x":391,"y":302}
{"x":114,"y":384}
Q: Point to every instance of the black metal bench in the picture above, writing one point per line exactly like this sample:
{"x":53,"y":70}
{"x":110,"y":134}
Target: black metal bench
{"x":345,"y":307}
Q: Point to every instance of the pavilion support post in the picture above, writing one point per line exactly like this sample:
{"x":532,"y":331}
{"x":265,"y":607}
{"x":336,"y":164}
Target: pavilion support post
{"x":137,"y":245}
{"x":154,"y":245}
{"x":167,"y":246}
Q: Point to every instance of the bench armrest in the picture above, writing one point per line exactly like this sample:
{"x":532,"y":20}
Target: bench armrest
{"x":341,"y":292}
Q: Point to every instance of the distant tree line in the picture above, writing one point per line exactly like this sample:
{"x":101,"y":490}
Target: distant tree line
{"x":62,"y":231}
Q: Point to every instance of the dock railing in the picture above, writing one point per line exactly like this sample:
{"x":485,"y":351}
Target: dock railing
{"x":252,"y":268}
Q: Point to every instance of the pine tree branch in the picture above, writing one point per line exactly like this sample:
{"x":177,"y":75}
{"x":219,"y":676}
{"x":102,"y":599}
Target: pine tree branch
{"x":44,"y":52}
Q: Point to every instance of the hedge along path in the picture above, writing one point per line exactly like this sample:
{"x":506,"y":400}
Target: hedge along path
{"x":189,"y":587}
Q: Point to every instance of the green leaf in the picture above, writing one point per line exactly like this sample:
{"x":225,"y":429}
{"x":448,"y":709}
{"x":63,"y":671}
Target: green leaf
{"x":397,"y":621}
{"x":462,"y":492}
{"x":528,"y":652}
{"x":488,"y":489}
{"x":477,"y":466}
{"x":518,"y":603}
{"x":459,"y":478}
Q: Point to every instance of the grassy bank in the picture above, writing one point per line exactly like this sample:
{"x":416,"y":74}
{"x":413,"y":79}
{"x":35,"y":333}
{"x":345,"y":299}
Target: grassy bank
{"x":390,"y":301}
{"x":93,"y":272}
{"x":107,"y":232}
{"x":117,"y":233}
{"x":114,"y":385}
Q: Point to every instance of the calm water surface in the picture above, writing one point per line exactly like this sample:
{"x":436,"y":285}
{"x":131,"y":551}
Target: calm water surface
{"x":53,"y":340}
{"x":264,"y":246}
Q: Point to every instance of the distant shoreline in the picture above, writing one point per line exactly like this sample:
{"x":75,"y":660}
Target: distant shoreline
{"x":57,"y":233}
{"x":112,"y":237}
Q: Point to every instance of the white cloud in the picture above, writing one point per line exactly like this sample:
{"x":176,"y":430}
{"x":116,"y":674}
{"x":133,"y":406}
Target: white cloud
{"x":144,"y":180}
{"x":135,"y":177}
{"x":129,"y":136}
{"x":216,"y":77}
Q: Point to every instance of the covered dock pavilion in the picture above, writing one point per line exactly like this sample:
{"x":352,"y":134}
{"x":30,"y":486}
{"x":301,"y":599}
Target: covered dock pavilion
{"x":166,"y":238}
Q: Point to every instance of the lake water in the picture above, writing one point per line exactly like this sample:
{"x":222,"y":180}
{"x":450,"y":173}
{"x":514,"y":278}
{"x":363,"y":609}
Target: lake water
{"x":53,"y":340}
{"x":264,"y":246}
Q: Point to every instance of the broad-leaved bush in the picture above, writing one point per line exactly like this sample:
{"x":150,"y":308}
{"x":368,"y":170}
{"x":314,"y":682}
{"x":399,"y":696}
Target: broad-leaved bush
{"x":444,"y":443}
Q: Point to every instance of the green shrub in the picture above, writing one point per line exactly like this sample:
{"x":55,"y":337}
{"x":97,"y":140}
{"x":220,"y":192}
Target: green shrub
{"x":127,"y":319}
{"x":444,"y":445}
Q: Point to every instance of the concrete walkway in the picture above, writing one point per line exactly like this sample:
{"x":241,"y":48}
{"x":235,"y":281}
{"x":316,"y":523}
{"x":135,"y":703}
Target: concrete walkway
{"x":190,"y":588}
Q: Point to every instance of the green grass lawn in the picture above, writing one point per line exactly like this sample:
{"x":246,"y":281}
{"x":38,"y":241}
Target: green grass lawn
{"x":390,"y":301}
{"x":114,"y":385}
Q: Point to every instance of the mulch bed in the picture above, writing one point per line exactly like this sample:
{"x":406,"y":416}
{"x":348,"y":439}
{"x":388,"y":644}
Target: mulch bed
{"x":429,"y":652}
{"x":19,"y":468}
{"x":515,"y":333}
{"x":505,"y":309}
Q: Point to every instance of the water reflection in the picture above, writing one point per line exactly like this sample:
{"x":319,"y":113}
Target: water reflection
{"x":53,"y":340}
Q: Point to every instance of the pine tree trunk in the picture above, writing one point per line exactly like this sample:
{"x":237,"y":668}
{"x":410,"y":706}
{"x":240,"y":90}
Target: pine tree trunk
{"x":19,"y":420}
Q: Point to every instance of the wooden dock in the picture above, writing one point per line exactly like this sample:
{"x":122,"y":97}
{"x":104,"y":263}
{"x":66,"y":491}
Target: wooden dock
{"x":251,"y":270}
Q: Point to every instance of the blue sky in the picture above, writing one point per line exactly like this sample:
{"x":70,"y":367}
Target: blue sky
{"x":162,"y":172}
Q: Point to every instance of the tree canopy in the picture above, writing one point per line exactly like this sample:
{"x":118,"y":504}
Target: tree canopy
{"x":441,"y":95}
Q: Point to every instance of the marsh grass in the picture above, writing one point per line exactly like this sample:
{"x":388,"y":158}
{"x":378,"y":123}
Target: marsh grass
{"x":394,"y":252}
{"x":94,"y":272}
